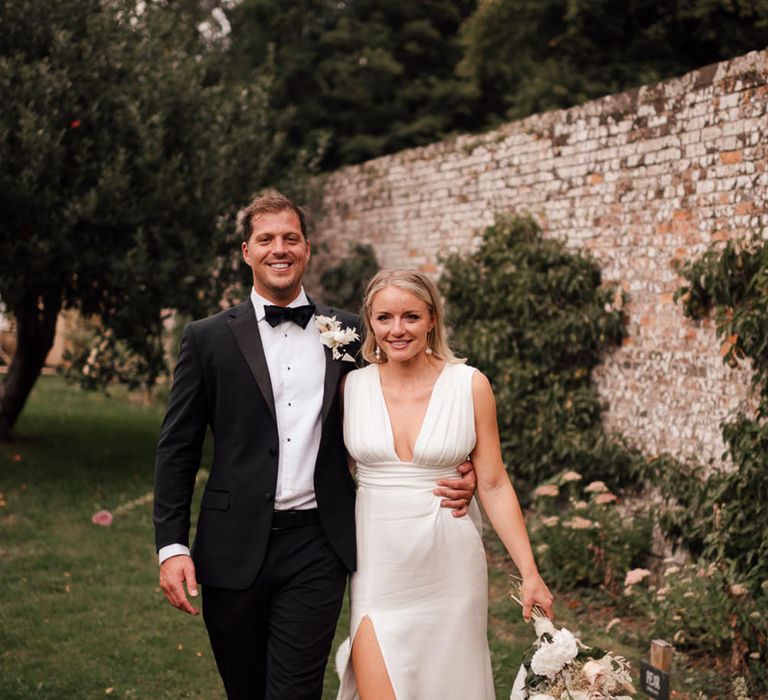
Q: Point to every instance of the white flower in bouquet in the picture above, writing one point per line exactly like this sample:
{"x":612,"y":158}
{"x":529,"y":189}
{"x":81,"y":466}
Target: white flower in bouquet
{"x":543,"y":625}
{"x":518,"y":689}
{"x":595,"y":669}
{"x":551,"y":657}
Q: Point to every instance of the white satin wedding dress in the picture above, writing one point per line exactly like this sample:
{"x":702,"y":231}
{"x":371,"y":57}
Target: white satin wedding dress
{"x":421,"y":573}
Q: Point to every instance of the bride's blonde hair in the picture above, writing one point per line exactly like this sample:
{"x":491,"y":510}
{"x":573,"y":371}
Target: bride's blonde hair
{"x":421,"y":287}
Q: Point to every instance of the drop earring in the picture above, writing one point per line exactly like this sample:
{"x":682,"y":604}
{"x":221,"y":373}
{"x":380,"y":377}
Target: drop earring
{"x":428,"y":351}
{"x":377,"y":353}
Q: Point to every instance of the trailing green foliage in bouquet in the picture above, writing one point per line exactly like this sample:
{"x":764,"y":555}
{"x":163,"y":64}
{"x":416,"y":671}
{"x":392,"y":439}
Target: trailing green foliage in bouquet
{"x":535,"y":318}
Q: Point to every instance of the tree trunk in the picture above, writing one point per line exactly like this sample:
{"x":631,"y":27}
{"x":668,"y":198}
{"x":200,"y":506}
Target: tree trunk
{"x":35,"y":330}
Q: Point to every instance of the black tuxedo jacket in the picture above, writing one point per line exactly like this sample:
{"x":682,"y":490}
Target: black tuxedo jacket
{"x":222,"y":382}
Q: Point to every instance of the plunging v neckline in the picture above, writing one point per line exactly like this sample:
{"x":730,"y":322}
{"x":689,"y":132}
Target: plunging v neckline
{"x":423,"y":420}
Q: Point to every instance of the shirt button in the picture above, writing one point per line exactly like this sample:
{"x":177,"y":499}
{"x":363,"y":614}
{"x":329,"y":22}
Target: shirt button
{"x":290,"y":404}
{"x":289,"y":439}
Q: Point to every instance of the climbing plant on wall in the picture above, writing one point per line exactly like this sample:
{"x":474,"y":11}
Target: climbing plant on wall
{"x":723,"y":513}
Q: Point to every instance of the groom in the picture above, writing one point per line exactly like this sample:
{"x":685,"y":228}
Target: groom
{"x":275,"y":536}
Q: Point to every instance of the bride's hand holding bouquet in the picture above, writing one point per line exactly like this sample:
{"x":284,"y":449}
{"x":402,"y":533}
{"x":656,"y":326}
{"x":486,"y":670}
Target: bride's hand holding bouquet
{"x":559,"y":666}
{"x":534,"y":594}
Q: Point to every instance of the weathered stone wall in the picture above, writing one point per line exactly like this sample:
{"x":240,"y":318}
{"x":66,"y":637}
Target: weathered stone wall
{"x":641,"y":180}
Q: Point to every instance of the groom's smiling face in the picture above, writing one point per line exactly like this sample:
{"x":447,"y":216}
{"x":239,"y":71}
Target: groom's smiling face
{"x":277,"y":253}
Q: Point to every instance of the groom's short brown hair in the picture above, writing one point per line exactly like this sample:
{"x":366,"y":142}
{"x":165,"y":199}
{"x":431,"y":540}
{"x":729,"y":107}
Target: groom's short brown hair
{"x":269,"y":201}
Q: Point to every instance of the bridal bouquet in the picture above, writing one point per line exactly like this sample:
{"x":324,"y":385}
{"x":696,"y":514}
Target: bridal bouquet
{"x":558,"y":666}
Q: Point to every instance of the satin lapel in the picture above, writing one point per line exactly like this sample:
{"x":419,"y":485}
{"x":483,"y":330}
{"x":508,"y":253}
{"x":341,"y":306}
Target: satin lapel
{"x":332,"y":369}
{"x":245,"y":328}
{"x":331,"y":385}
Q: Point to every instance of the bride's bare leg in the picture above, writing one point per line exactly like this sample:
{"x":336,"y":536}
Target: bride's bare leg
{"x":368,"y":664}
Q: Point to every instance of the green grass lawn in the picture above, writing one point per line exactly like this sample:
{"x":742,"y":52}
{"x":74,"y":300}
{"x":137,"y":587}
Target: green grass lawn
{"x":81,"y":615}
{"x":81,"y":610}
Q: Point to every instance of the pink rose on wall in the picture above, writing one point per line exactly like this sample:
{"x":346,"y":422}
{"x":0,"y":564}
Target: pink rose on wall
{"x":102,"y":517}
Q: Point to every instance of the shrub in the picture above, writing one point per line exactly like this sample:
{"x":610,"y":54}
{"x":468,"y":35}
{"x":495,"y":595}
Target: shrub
{"x":582,"y":537}
{"x":535,"y":319}
{"x":97,"y":358}
{"x":704,"y":605}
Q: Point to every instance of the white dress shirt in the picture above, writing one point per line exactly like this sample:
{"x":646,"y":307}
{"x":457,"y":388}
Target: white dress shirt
{"x":296,"y":362}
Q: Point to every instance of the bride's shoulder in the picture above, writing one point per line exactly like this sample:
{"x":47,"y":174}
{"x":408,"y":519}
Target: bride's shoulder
{"x":467,"y":378}
{"x":361,"y":374}
{"x":462,"y":369}
{"x":480,"y":384}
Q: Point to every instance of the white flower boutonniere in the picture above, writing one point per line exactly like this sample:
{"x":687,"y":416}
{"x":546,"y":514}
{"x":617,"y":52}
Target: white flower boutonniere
{"x":334,"y":337}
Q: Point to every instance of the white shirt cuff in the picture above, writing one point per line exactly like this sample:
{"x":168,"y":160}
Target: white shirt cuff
{"x":171,"y":550}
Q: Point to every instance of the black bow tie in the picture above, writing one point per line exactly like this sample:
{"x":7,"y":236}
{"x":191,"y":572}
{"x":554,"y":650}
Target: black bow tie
{"x":298,"y":314}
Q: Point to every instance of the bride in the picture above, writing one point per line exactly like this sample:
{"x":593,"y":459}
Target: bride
{"x":419,"y":597}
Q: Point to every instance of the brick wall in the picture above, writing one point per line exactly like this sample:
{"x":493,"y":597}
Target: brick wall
{"x":641,"y":180}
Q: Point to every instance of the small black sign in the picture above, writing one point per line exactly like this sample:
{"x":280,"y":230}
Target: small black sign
{"x":653,"y":682}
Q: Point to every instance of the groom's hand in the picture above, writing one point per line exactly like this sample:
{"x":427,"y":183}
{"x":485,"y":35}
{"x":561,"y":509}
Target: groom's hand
{"x":174,"y":572}
{"x":457,"y":493}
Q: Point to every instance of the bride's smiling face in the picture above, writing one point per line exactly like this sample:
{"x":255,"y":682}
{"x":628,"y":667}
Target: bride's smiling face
{"x":401,"y":323}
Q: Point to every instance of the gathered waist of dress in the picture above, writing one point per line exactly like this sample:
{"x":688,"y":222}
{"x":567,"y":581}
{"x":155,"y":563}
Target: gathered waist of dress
{"x":402,"y":475}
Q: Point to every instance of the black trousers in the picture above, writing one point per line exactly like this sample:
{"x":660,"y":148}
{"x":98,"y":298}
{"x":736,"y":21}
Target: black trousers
{"x":272,"y":640}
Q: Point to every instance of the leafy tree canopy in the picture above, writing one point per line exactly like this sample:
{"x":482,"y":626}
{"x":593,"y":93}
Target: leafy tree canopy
{"x":125,"y":158}
{"x":360,"y":78}
{"x":528,"y":56}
